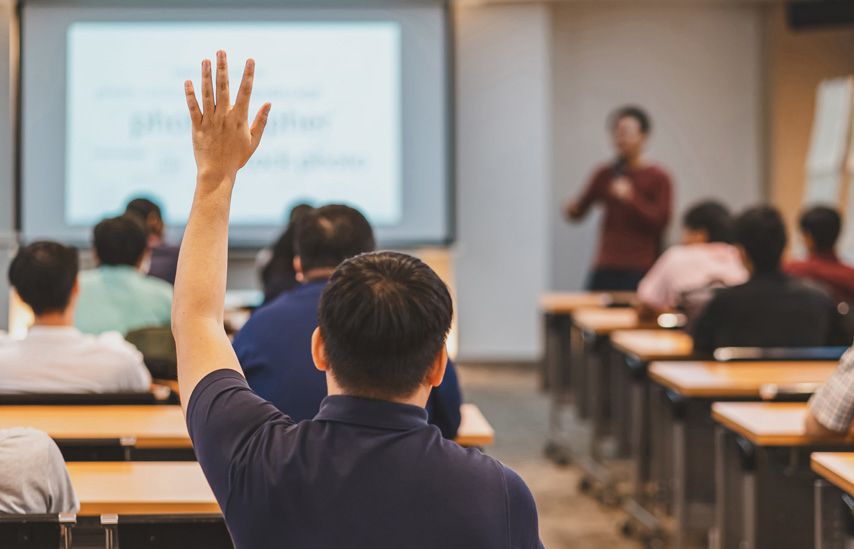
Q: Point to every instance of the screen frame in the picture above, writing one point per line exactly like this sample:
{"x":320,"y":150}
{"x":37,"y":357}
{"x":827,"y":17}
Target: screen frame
{"x":449,"y":122}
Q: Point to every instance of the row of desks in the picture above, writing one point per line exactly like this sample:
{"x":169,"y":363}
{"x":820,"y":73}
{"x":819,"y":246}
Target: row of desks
{"x":661,"y":398}
{"x":163,"y":427}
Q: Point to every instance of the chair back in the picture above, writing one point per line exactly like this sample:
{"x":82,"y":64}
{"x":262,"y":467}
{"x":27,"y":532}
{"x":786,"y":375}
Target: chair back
{"x":166,"y":531}
{"x":157,"y":346}
{"x":37,"y":531}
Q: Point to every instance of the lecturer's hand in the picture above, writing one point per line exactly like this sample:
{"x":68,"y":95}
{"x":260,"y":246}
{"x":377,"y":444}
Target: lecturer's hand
{"x":223,"y":141}
{"x":622,"y":189}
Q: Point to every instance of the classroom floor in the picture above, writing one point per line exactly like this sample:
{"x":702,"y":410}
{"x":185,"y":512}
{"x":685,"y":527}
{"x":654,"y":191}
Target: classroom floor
{"x":511,"y":401}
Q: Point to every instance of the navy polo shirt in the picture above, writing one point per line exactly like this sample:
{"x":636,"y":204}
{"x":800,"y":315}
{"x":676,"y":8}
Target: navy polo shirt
{"x":363,"y":474}
{"x":274,"y":350}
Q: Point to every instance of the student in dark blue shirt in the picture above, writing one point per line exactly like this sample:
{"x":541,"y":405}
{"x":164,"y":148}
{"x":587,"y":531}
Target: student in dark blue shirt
{"x":368,"y":472}
{"x":274,"y":348}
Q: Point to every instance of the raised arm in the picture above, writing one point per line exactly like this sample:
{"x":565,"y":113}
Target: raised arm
{"x":223,"y":142}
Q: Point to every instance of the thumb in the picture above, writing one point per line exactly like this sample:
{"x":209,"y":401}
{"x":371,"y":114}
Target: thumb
{"x":258,"y":125}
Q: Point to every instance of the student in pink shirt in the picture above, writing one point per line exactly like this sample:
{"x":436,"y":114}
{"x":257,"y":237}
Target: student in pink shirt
{"x":684,"y":277}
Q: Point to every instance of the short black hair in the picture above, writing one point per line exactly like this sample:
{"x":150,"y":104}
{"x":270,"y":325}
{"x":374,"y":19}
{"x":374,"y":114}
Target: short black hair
{"x":632,"y":111}
{"x":823,"y":224}
{"x":762,"y":234}
{"x":120,"y":240}
{"x":328,"y":235}
{"x":384,"y":317}
{"x":44,"y":273}
{"x":143,"y":207}
{"x":712,"y":217}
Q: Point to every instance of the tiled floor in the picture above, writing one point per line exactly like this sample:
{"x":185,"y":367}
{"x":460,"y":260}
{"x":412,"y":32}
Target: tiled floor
{"x":519,"y":413}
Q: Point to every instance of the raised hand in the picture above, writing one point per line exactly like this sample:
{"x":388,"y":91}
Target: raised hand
{"x":223,"y":140}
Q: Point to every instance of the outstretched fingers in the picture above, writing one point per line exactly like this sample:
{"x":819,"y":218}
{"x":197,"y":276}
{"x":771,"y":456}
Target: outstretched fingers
{"x":241,"y":104}
{"x":256,"y":130}
{"x":192,"y":103}
{"x":207,"y":88}
{"x":222,"y":98}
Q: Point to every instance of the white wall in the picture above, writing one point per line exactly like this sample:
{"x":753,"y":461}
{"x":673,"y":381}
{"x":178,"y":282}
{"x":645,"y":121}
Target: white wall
{"x":503,"y":178}
{"x":697,"y":68}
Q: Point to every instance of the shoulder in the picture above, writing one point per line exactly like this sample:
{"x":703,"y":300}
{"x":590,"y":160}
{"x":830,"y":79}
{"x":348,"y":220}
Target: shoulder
{"x":112,"y":343}
{"x":657,"y":173}
{"x":28,"y":441}
{"x":809,"y":288}
{"x":155,"y":286}
{"x":89,"y":276}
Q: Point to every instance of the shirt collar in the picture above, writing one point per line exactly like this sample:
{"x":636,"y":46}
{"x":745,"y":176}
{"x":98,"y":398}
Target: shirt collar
{"x":371,"y":413}
{"x":52,"y":331}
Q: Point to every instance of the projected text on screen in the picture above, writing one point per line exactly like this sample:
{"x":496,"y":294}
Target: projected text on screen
{"x":334,"y":132}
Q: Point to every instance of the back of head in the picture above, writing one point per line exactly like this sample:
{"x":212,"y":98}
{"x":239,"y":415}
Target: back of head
{"x":44,"y":274}
{"x":632,"y":111}
{"x":327,"y":236}
{"x":144,"y":208}
{"x":823,"y":225}
{"x":120,"y":240}
{"x":761,"y":233}
{"x":384,"y":318}
{"x":711,"y":217}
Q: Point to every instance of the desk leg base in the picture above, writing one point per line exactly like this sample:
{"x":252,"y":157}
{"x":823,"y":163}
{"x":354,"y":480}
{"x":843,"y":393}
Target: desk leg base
{"x":643,"y":525}
{"x":600,"y":481}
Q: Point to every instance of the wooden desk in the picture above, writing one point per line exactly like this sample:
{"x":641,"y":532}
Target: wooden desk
{"x":764,"y":486}
{"x":768,"y":423}
{"x":735,"y":379}
{"x":650,"y":345}
{"x":163,"y":426}
{"x":566,"y":302}
{"x":148,"y":426}
{"x":141,"y":488}
{"x":838,"y":468}
{"x":474,"y":429}
{"x":605,"y":321}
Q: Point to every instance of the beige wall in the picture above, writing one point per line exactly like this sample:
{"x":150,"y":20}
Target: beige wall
{"x":797,"y":62}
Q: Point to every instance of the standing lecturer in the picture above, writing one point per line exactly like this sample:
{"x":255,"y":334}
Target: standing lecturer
{"x":636,"y":197}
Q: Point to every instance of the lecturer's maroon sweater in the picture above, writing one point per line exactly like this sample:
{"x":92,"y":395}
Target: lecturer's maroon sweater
{"x":631,"y":231}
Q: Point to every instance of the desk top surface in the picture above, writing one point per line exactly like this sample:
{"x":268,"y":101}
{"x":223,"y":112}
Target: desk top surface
{"x":736,"y":379}
{"x":603,"y":321}
{"x":769,"y":423}
{"x":567,"y":302}
{"x":163,"y":426}
{"x":141,"y":488}
{"x":152,"y":426}
{"x":648,"y":345}
{"x":838,"y":468}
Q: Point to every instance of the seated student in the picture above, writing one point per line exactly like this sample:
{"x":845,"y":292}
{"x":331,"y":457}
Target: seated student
{"x":277,"y":264}
{"x":33,"y":476}
{"x":116,"y":296}
{"x":367,"y":472}
{"x":56,"y":357}
{"x":771,"y":309}
{"x":705,"y":260}
{"x":274,"y":347}
{"x":163,"y":258}
{"x":820,"y":228}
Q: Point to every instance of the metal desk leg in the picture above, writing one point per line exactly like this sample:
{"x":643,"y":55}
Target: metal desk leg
{"x":716,"y":536}
{"x":749,"y":498}
{"x":829,"y":516}
{"x":680,"y":509}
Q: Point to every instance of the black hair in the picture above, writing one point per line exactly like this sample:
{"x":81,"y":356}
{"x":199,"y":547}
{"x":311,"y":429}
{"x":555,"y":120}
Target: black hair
{"x":762,"y":234}
{"x":282,"y":261}
{"x":823,"y":224}
{"x":384,"y":318}
{"x":143,"y":207}
{"x":632,"y":111}
{"x":712,"y":217}
{"x":44,"y":273}
{"x":328,"y":235}
{"x":120,"y":240}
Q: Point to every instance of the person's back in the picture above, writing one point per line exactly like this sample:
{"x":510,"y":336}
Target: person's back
{"x":33,"y":477}
{"x":55,"y":357}
{"x":820,"y":227}
{"x":274,"y":347}
{"x":116,"y":296}
{"x":771,"y":309}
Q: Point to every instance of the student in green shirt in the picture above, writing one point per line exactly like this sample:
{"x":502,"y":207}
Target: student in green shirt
{"x":117,"y":296}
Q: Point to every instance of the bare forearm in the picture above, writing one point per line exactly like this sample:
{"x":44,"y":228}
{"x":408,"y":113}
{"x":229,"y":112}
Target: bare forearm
{"x":203,"y":262}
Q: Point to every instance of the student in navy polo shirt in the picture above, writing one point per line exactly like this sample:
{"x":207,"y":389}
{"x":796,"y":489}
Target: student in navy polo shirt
{"x":274,"y":348}
{"x":368,"y":471}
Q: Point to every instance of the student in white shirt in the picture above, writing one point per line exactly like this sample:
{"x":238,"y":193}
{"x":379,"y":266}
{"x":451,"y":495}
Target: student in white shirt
{"x":33,"y":476}
{"x":55,"y":357}
{"x":705,"y":260}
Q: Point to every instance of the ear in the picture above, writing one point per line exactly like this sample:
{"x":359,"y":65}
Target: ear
{"x":298,"y":268}
{"x":318,"y":352}
{"x":745,"y":260}
{"x":437,"y":371}
{"x":75,"y":290}
{"x":809,"y":243}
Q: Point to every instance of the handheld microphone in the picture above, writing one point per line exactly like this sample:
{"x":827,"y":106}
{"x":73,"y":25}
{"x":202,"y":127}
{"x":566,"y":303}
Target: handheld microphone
{"x":619,"y":167}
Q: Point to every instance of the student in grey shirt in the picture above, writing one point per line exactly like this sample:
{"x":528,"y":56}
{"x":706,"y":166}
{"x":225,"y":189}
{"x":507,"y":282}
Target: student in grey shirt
{"x":33,"y":476}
